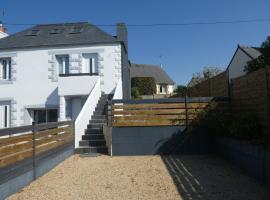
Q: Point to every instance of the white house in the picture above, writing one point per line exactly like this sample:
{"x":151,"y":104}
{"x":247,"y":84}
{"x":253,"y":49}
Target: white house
{"x":164,"y":84}
{"x":2,"y":31}
{"x":240,"y":58}
{"x":49,"y":72}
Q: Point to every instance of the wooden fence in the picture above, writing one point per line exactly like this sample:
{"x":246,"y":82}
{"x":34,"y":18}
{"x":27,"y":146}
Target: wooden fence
{"x":213,"y":87}
{"x":156,"y":112}
{"x":19,"y":143}
{"x":251,"y":94}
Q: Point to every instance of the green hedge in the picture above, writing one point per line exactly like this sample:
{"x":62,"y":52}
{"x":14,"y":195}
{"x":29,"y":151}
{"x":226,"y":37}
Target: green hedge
{"x":145,"y":85}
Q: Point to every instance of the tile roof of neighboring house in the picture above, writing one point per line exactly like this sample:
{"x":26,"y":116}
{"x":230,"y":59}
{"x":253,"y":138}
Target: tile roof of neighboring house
{"x":253,"y":52}
{"x":56,"y":35}
{"x":155,"y":71}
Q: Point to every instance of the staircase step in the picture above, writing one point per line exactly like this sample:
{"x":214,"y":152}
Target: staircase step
{"x":93,"y":137}
{"x":92,"y":143}
{"x":99,"y":113}
{"x":99,"y":117}
{"x":87,"y":149}
{"x":93,"y":131}
{"x":95,"y":125}
{"x":99,"y":121}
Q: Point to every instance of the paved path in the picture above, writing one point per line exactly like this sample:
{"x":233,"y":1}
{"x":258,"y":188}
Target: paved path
{"x":148,"y":177}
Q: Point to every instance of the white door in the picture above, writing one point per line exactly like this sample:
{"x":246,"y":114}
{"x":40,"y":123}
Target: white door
{"x":4,"y":115}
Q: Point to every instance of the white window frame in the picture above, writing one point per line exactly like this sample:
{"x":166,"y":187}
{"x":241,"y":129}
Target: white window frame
{"x":63,"y":64}
{"x":90,"y":63}
{"x":163,"y":89}
{"x":5,"y":75}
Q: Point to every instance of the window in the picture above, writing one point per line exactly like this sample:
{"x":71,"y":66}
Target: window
{"x":90,"y":64}
{"x":4,"y":115}
{"x":63,"y":64}
{"x":45,"y":115}
{"x":5,"y":69}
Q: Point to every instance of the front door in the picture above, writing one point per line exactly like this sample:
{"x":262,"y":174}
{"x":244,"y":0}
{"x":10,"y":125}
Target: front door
{"x":76,"y":106}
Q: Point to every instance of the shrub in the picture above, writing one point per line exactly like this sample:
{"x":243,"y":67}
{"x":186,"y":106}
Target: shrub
{"x":213,"y":119}
{"x":145,"y":85}
{"x":245,"y":126}
{"x":135,"y":93}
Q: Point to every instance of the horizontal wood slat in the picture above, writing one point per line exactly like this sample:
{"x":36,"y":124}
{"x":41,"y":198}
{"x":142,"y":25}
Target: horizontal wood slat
{"x":155,"y":114}
{"x":10,"y":159}
{"x":19,"y":147}
{"x":158,"y":123}
{"x":14,"y":148}
{"x":15,"y":139}
{"x":158,"y":106}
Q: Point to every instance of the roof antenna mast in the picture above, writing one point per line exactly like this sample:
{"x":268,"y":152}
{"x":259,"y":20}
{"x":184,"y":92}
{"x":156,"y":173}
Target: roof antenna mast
{"x":160,"y":60}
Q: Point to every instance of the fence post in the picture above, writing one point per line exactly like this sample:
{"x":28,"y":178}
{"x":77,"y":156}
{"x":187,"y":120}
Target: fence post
{"x":34,"y":149}
{"x":186,"y":111}
{"x":109,"y":113}
{"x":267,"y":74}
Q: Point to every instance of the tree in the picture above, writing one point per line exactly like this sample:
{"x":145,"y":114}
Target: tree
{"x":208,"y":72}
{"x":180,"y":91}
{"x":262,"y":61}
{"x":144,"y":85}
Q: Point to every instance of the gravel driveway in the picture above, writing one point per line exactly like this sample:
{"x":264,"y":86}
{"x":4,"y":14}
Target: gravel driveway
{"x":145,"y":177}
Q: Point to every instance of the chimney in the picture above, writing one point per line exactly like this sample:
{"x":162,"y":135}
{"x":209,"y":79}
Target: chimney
{"x":122,"y":34}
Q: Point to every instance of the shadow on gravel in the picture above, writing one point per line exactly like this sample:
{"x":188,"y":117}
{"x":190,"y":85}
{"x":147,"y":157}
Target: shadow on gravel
{"x":208,"y":177}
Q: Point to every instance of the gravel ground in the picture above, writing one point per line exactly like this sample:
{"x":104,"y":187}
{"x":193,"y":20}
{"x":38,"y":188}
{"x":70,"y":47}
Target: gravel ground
{"x":145,"y":177}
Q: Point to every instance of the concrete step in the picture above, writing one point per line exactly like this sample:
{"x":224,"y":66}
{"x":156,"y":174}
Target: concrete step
{"x":93,"y":131}
{"x":93,"y":137}
{"x":87,"y":149}
{"x":99,"y":121}
{"x":95,"y":125}
{"x":99,"y":113}
{"x":92,"y":143}
{"x":99,"y":117}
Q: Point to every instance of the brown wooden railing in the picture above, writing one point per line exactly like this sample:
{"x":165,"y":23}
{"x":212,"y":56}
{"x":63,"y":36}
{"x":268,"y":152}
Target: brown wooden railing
{"x":156,"y":112}
{"x":19,"y":143}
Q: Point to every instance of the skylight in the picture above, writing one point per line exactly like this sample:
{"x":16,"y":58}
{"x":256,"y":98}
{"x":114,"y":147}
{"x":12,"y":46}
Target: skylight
{"x":55,"y":31}
{"x":33,"y":32}
{"x":76,"y":29}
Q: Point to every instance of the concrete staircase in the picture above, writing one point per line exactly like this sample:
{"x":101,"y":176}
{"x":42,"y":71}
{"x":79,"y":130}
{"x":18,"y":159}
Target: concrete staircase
{"x":93,"y":140}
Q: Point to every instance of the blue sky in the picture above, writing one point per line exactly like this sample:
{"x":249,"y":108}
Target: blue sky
{"x":183,"y":49}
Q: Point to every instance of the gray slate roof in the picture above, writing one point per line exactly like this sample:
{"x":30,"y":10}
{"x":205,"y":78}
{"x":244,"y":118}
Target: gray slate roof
{"x":253,"y":52}
{"x":87,"y":34}
{"x":155,"y":71}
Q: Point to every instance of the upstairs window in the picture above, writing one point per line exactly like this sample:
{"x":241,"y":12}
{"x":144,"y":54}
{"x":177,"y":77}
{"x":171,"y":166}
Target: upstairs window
{"x":63,"y":64}
{"x":90,"y":64}
{"x":5,"y":68}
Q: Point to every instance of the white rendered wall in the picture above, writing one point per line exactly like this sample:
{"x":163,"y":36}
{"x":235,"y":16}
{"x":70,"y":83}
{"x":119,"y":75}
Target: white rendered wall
{"x":236,"y":67}
{"x":35,"y":79}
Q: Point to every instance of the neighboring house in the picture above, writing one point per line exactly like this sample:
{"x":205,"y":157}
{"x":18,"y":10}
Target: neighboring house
{"x":164,"y":83}
{"x":48,"y":72}
{"x":2,"y":31}
{"x":240,"y":58}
